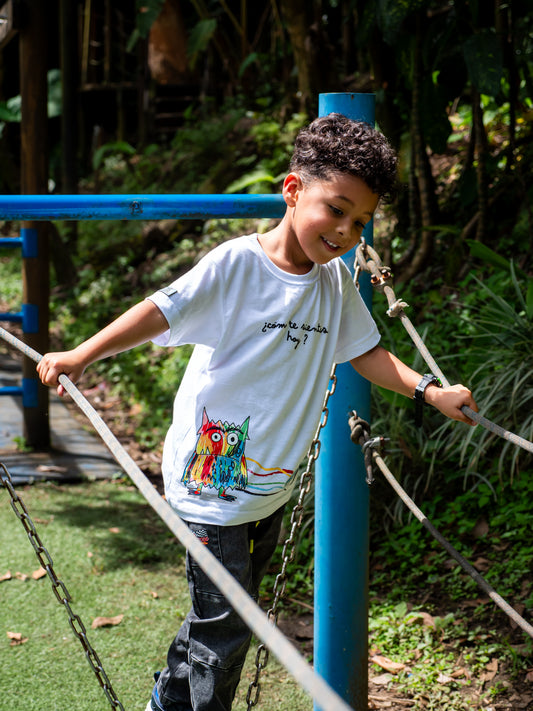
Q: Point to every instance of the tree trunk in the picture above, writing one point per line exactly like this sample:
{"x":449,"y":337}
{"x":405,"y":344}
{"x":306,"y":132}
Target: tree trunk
{"x":295,"y":14}
{"x":423,"y":183}
{"x":481,"y":165}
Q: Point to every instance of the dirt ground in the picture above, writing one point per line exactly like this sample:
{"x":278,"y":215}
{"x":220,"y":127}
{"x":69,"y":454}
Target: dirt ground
{"x":475,"y":695}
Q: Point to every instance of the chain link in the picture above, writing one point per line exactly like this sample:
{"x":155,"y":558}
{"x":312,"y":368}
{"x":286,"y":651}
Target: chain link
{"x":59,"y":588}
{"x":289,"y":547}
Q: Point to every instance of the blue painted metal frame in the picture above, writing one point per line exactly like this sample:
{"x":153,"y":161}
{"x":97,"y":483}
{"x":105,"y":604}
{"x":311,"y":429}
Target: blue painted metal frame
{"x":28,"y":317}
{"x":138,"y":207}
{"x":113,"y":207}
{"x":342,"y":505}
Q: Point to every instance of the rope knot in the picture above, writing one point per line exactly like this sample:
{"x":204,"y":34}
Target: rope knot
{"x":395,"y":308}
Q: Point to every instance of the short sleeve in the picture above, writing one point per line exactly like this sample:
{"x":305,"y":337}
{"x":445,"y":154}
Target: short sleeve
{"x":193,"y":305}
{"x":358,"y":332}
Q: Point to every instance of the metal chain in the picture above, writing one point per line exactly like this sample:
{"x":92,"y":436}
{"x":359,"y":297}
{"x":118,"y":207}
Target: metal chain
{"x":289,"y":547}
{"x":59,"y":588}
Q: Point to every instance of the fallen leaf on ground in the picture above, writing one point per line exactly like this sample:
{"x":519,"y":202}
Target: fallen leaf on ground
{"x":480,"y":529}
{"x":106,"y":621}
{"x":492,"y":665}
{"x":21,"y":576}
{"x":444,"y":679}
{"x":6,"y":576}
{"x":482,"y":564}
{"x":388,"y":664}
{"x":487,"y":676}
{"x":424,"y":617}
{"x":529,"y":676}
{"x":38,"y":574}
{"x":16,"y":638}
{"x":459,"y":673}
{"x":382,"y":679}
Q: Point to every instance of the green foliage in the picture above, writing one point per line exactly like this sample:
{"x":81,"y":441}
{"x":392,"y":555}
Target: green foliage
{"x":146,"y":12}
{"x":10,"y":278}
{"x":498,"y":365}
{"x":199,"y":38}
{"x":11,"y":110}
{"x":484,"y":61}
{"x":418,"y":558}
{"x":115,"y":152}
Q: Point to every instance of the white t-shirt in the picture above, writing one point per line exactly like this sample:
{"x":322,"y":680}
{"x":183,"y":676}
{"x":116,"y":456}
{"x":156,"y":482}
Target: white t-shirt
{"x":251,"y":398}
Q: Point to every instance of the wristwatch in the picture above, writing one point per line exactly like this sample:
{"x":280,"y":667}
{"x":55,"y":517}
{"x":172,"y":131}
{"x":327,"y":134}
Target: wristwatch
{"x":420,"y":392}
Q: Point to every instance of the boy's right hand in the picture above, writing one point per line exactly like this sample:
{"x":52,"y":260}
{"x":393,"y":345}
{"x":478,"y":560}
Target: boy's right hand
{"x":52,"y":365}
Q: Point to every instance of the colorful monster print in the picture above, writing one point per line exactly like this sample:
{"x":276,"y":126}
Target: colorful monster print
{"x":218,"y":461}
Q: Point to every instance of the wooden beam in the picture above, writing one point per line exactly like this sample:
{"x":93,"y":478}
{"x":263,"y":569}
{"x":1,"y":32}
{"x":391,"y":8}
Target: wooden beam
{"x":34,"y":180}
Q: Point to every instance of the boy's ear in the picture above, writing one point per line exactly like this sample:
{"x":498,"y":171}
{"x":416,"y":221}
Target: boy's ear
{"x":292,"y":185}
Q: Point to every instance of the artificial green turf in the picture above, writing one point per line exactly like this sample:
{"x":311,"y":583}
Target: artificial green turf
{"x":116,"y":558}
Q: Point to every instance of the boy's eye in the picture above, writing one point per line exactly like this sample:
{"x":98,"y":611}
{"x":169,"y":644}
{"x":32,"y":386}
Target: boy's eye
{"x":335,"y":210}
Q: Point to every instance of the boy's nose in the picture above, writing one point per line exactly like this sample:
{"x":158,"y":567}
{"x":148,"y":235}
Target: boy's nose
{"x":345,"y":228}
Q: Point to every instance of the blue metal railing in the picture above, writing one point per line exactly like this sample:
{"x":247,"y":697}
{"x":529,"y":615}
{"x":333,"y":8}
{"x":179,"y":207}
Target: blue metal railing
{"x":27,"y":316}
{"x":113,"y":207}
{"x":138,"y":207}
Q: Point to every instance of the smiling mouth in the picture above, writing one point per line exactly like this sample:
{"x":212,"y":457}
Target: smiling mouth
{"x":331,"y":245}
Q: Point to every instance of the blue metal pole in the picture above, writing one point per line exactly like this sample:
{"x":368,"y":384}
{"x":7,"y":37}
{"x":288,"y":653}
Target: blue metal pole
{"x":342,"y":506}
{"x":138,"y":207}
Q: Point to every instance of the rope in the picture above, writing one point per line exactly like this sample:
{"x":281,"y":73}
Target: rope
{"x":243,"y":604}
{"x":379,"y":275}
{"x":360,"y":434}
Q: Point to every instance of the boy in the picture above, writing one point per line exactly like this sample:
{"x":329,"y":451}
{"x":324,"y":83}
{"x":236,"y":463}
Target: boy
{"x":269,"y":314}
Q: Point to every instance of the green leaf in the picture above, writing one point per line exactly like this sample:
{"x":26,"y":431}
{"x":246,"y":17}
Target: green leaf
{"x":199,"y":38}
{"x":488,"y":255}
{"x":250,"y":179}
{"x":54,"y":93}
{"x":484,"y":61}
{"x":147,"y":13}
{"x":8,"y":114}
{"x":529,"y":299}
{"x":250,"y":59}
{"x":120,"y":147}
{"x":392,"y":13}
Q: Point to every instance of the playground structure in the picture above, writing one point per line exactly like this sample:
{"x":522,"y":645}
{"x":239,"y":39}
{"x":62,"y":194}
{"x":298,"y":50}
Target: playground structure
{"x":345,"y":672}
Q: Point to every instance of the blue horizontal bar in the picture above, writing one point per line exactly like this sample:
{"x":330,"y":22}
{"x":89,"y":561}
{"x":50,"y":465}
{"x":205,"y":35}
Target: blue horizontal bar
{"x":12,"y":317}
{"x":138,"y":207}
{"x":11,"y":242}
{"x":11,"y":390}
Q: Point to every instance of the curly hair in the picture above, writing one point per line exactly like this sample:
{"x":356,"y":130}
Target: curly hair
{"x":336,"y":144}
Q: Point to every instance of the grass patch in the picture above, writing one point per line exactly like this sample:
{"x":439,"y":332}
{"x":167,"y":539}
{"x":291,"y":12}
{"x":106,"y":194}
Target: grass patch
{"x":115,"y":557}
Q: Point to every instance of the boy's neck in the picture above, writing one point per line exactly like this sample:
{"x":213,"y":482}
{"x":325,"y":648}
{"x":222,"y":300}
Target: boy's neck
{"x":276,"y":246}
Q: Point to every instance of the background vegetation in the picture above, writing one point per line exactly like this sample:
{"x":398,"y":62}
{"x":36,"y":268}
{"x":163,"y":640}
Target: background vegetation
{"x":454,"y":92}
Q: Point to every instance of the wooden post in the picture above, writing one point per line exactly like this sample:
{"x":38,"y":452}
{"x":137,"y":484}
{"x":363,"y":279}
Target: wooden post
{"x":34,"y":180}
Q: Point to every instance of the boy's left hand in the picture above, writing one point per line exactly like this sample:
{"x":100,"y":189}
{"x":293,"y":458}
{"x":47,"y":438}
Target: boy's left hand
{"x":450,"y":400}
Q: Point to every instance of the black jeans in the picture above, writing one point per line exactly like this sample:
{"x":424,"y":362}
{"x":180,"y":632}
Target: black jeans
{"x":205,"y":659}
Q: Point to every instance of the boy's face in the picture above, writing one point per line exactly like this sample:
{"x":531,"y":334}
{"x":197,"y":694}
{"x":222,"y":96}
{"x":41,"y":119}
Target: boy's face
{"x":328,"y":216}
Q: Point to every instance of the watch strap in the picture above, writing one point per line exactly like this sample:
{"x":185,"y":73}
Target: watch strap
{"x":420,"y":392}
